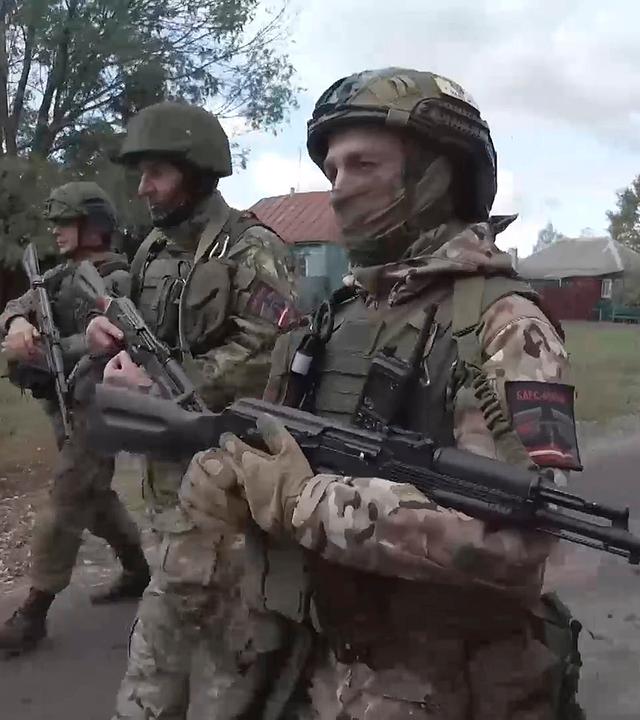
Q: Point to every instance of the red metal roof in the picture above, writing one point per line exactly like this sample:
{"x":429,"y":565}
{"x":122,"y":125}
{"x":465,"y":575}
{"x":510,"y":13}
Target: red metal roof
{"x":299,"y":217}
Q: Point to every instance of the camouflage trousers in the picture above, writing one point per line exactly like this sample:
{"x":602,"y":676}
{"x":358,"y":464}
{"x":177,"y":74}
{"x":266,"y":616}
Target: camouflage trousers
{"x":193,"y":627}
{"x":80,"y":497}
{"x":435,"y":678}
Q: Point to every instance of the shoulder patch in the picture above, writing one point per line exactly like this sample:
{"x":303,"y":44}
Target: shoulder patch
{"x":267,"y":303}
{"x":542,"y":415}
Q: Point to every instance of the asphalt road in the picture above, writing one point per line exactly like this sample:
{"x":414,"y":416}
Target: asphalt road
{"x":75,"y":675}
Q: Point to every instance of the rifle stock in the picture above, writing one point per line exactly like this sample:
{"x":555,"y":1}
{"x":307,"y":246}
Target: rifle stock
{"x":480,"y":487}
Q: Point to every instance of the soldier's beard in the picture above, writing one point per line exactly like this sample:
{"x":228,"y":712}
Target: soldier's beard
{"x":377,"y":233}
{"x":164,"y":217}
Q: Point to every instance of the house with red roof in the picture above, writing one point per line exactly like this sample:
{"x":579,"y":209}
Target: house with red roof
{"x":305,"y":221}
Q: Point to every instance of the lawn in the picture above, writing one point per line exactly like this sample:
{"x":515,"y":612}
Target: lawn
{"x":605,"y":359}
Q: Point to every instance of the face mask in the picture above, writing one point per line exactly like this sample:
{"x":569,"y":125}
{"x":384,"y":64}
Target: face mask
{"x":377,"y":231}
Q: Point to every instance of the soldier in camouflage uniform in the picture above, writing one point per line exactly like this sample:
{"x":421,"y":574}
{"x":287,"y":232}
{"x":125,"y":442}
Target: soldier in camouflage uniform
{"x":80,"y":495}
{"x":429,"y":613}
{"x":213,"y":284}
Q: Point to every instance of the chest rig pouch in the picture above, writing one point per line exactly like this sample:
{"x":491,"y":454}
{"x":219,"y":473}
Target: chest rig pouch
{"x":64,"y":300}
{"x":158,"y":286}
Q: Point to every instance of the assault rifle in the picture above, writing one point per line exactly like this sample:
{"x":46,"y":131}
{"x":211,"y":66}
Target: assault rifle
{"x":480,"y":487}
{"x":48,"y":332}
{"x":142,"y":345}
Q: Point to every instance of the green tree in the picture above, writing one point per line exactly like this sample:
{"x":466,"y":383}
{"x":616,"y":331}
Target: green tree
{"x":72,"y":72}
{"x":624,"y":222}
{"x":68,"y":66}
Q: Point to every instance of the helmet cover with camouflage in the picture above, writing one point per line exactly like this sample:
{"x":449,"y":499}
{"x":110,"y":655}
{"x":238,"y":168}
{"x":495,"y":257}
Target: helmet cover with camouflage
{"x":82,"y":200}
{"x":437,"y":114}
{"x":181,"y":132}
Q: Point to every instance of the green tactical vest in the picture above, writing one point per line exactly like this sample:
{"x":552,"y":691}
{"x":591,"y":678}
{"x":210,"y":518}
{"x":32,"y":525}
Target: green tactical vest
{"x":359,"y":334}
{"x":162,"y":270}
{"x":183,"y":296}
{"x":66,"y":305}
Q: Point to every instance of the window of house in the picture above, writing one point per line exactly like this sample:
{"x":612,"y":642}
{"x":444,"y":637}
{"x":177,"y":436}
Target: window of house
{"x":606,"y":289}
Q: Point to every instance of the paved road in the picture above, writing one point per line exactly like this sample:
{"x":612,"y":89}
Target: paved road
{"x":76,"y":674}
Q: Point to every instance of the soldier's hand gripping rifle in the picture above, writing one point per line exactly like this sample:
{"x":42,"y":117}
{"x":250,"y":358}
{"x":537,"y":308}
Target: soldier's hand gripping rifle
{"x":138,"y":339}
{"x":48,"y":333}
{"x":480,"y":487}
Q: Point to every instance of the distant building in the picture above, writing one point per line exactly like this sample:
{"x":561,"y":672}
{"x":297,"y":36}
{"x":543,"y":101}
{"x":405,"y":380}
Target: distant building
{"x":584,"y":278}
{"x":306,"y":222}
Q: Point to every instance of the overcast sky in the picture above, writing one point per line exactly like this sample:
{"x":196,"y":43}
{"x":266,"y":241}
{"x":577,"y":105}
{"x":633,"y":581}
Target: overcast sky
{"x":557,"y":80}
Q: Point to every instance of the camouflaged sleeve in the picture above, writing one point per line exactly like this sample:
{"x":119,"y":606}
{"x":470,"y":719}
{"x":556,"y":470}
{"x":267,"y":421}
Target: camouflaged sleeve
{"x":392,"y":529}
{"x":520,"y":344}
{"x":262,"y":305}
{"x":18,"y":307}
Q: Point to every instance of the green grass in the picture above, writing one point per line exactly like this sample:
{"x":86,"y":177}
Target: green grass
{"x":24,"y":427}
{"x":605,"y":359}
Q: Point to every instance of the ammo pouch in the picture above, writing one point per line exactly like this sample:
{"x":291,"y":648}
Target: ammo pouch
{"x":35,"y":378}
{"x":558,"y":631}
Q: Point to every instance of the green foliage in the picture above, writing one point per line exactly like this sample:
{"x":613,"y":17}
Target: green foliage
{"x":72,"y":64}
{"x":624,"y":223}
{"x":72,"y":73}
{"x":24,"y":187}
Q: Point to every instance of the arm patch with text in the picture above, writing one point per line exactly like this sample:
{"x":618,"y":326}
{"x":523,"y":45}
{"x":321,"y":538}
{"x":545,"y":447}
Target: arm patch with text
{"x":543,"y":417}
{"x":267,"y":303}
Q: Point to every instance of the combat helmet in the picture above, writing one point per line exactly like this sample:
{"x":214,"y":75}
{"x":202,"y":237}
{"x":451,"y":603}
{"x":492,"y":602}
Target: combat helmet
{"x":425,"y":104}
{"x":178,"y":131}
{"x":82,"y":199}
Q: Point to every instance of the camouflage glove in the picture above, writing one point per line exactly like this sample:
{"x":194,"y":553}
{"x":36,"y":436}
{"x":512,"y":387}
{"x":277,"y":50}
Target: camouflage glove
{"x":209,"y":493}
{"x":272,"y":482}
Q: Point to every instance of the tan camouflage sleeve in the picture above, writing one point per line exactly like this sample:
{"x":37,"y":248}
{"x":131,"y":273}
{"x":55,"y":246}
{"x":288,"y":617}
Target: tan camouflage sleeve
{"x":519,"y":343}
{"x":18,"y":307}
{"x":393,"y":529}
{"x":239,"y":364}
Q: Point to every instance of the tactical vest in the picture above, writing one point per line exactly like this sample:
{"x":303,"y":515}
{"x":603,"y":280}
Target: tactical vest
{"x":161,"y":270}
{"x":362,"y":615}
{"x":358,"y":334}
{"x":67,"y":306}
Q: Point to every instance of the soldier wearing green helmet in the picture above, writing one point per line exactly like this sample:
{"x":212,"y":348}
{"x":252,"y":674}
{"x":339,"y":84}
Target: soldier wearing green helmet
{"x":212,"y":283}
{"x":83,"y":223}
{"x":428,"y":613}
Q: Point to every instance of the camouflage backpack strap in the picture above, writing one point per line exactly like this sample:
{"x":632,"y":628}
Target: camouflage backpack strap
{"x":236,"y":227}
{"x":472,"y":296}
{"x":148,"y":246}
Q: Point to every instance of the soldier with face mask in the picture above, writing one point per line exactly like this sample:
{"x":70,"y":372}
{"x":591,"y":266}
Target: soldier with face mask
{"x":84,"y":221}
{"x":212,"y":283}
{"x":428,"y":613}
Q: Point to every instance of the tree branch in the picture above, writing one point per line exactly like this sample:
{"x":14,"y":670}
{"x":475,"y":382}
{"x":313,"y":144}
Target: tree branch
{"x":18,"y":99}
{"x":42,"y":136}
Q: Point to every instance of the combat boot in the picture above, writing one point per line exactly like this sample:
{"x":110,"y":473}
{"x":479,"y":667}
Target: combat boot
{"x":131,"y":582}
{"x":28,"y":624}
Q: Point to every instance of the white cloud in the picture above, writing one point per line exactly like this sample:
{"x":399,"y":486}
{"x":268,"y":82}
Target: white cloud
{"x":569,"y":60}
{"x":275,"y":174}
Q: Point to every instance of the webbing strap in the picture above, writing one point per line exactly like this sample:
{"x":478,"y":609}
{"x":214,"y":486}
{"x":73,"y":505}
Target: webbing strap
{"x":468,"y":308}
